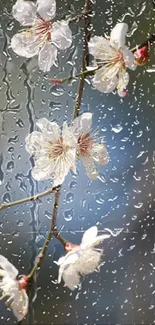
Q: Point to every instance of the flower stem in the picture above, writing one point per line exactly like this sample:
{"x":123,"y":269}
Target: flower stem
{"x":85,"y":60}
{"x":149,"y":41}
{"x":29,"y":198}
{"x":52,"y":231}
{"x":80,"y":16}
{"x":81,"y":74}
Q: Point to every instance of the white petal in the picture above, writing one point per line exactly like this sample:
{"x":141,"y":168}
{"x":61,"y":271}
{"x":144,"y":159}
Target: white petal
{"x":71,"y":277}
{"x":100,"y":239}
{"x":89,"y":165}
{"x":8,"y":267}
{"x":20,"y":305}
{"x":61,"y":35}
{"x":25,"y":44}
{"x":69,"y":258}
{"x":44,"y":168}
{"x":51,"y":128}
{"x":60,"y":260}
{"x":100,"y":154}
{"x":105,"y":80}
{"x":24,"y":12}
{"x":121,"y":93}
{"x":122,"y":82}
{"x":46,"y":9}
{"x":81,"y":124}
{"x":47,"y":57}
{"x":118,"y":34}
{"x":68,"y":136}
{"x":89,"y":261}
{"x":128,"y":58}
{"x":88,"y":237}
{"x":100,"y":48}
{"x":63,"y":165}
{"x":37,"y":143}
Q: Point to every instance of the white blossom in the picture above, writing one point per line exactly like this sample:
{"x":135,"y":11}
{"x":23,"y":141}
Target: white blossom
{"x":13,"y":289}
{"x":89,"y":150}
{"x":83,"y":259}
{"x":54,"y":151}
{"x":43,"y":37}
{"x":114,"y":57}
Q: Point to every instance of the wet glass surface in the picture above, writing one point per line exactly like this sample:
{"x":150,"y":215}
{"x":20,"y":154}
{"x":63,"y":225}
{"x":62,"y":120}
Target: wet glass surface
{"x":123,"y":292}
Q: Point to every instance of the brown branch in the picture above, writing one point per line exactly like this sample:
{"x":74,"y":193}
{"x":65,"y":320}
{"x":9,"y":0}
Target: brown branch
{"x":85,"y":60}
{"x":29,"y":198}
{"x":80,"y":16}
{"x":149,"y":41}
{"x":51,"y":232}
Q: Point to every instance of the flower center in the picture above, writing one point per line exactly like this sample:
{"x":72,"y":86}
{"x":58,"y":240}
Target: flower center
{"x":119,"y":58}
{"x":84,"y":144}
{"x":43,"y":28}
{"x":58,"y":148}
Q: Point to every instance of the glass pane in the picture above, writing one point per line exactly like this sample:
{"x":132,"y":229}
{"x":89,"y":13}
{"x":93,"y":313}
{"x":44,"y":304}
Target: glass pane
{"x":121,"y":199}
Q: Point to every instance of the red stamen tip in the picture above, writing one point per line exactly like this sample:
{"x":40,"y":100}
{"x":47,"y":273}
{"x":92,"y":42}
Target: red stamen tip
{"x":125,"y":92}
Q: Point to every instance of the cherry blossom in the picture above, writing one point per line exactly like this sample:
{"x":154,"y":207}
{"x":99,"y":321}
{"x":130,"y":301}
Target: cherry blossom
{"x":81,"y":259}
{"x":89,"y":150}
{"x":14,"y":289}
{"x":43,"y":37}
{"x":54,"y":151}
{"x":114,"y":58}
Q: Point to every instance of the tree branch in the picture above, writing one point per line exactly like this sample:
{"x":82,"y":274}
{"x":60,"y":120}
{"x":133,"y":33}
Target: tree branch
{"x":29,"y":198}
{"x":85,"y":60}
{"x":51,"y":232}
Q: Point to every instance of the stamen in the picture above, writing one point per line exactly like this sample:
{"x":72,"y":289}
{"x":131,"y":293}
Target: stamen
{"x":85,"y":143}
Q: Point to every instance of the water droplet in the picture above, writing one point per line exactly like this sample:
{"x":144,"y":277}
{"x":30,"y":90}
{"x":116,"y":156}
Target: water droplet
{"x":10,"y":166}
{"x":69,"y":197}
{"x":20,"y":223}
{"x":68,"y":214}
{"x":138,"y":205}
{"x":73,"y":184}
{"x":116,"y":126}
{"x":6,"y":198}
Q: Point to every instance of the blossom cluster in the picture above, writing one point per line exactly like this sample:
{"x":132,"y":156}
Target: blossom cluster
{"x":80,"y":260}
{"x":55,"y":151}
{"x":44,"y":37}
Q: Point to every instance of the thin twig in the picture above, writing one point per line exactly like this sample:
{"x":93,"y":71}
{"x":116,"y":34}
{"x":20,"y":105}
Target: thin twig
{"x":80,"y":16}
{"x":51,"y":232}
{"x":29,"y":198}
{"x":149,"y":41}
{"x":85,"y":61}
{"x":84,"y":73}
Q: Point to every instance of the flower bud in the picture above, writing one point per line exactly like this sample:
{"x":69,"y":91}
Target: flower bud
{"x":70,"y":246}
{"x":23,"y":282}
{"x":142,"y":55}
